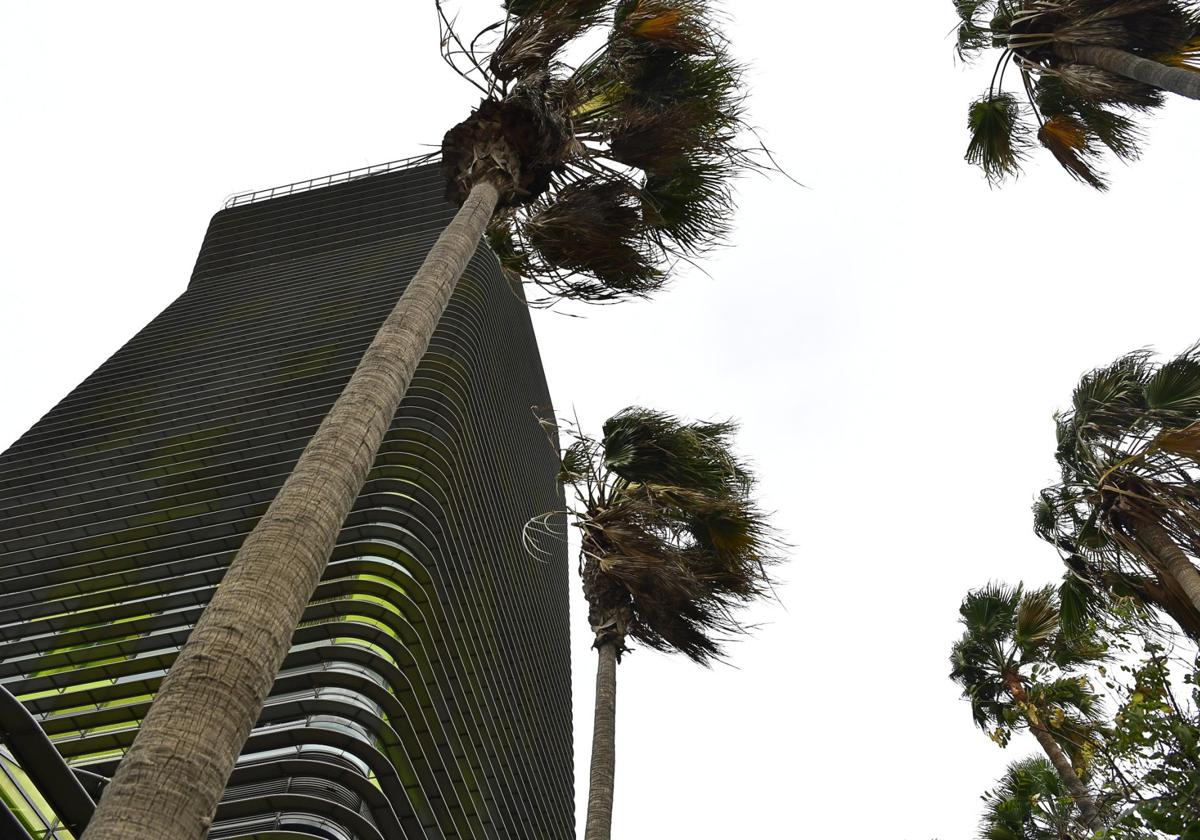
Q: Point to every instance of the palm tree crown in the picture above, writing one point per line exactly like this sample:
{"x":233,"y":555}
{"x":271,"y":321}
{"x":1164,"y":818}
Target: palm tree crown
{"x":1030,"y":803}
{"x":1128,"y":451}
{"x":610,"y":169}
{"x":672,"y":539}
{"x":1079,"y":108}
{"x":1017,"y":666}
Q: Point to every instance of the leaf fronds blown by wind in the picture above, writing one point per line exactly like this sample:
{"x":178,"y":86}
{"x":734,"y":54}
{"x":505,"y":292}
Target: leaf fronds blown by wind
{"x":1075,"y":109}
{"x":1129,"y":454}
{"x":627,"y":155}
{"x":673,"y":540}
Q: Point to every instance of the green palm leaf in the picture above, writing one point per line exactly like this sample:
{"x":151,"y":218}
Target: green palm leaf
{"x":998,"y":137}
{"x":1036,"y":621}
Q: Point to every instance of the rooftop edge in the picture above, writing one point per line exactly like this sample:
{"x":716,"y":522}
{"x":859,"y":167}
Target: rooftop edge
{"x":239,"y":199}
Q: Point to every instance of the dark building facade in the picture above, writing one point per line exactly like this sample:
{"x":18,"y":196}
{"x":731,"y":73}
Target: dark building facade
{"x":427,"y":692}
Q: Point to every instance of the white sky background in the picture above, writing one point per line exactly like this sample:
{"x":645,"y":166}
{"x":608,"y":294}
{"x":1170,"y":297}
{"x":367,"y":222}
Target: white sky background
{"x":894,"y":340}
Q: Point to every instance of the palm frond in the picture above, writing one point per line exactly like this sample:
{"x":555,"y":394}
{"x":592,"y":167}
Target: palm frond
{"x":1031,"y":802}
{"x":990,"y":611}
{"x":998,"y":138}
{"x":968,"y":9}
{"x":514,"y":261}
{"x":1089,"y":96}
{"x":1112,"y":393}
{"x":1036,"y":620}
{"x":1062,"y":89}
{"x":1174,"y":389}
{"x":1185,"y":56}
{"x":594,"y":227}
{"x":1078,"y":603}
{"x":971,"y":39}
{"x":1069,"y":140}
{"x":690,"y":206}
{"x":652,"y":447}
{"x":682,"y":26}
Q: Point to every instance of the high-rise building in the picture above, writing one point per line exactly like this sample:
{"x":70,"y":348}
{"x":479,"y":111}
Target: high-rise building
{"x":427,"y":692}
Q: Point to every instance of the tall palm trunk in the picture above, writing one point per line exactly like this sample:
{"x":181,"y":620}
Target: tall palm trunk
{"x":604,"y":746}
{"x":1170,"y":557}
{"x":168,"y":784}
{"x":1178,"y":80}
{"x":1062,"y":765}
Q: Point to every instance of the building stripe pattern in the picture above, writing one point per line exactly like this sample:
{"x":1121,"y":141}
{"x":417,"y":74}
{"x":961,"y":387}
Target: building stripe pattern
{"x":427,"y":691}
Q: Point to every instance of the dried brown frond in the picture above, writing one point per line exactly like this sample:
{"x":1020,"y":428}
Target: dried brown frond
{"x":1184,"y":442}
{"x":1067,"y":139}
{"x":679,"y":25}
{"x":1094,"y":85}
{"x":540,"y":30}
{"x":1186,"y":57}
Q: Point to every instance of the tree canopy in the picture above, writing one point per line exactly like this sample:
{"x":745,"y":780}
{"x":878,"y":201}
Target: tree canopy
{"x":1073,"y":109}
{"x":620,"y":161}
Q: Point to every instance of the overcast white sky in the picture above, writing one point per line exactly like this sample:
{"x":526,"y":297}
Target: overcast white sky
{"x":894,"y":340}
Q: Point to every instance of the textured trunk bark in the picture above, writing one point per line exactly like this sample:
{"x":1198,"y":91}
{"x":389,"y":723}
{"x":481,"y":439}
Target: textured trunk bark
{"x":1087,"y":805}
{"x":1062,"y":765}
{"x":168,"y":784}
{"x":1171,"y":558}
{"x":604,"y":746}
{"x":1176,"y":80}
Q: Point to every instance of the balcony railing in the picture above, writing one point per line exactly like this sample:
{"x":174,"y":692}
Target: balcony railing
{"x":327,"y":180}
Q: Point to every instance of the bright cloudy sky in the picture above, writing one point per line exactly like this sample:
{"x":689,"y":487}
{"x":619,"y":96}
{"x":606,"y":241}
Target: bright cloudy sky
{"x":894,"y":339}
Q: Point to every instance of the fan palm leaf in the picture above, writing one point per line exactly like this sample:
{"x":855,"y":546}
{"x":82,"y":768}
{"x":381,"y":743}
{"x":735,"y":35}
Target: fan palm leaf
{"x":998,"y":138}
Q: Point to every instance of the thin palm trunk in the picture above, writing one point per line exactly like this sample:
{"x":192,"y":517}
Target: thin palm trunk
{"x":1062,"y":765}
{"x":168,"y":784}
{"x":604,"y":746}
{"x":1171,"y":558}
{"x":1178,"y":80}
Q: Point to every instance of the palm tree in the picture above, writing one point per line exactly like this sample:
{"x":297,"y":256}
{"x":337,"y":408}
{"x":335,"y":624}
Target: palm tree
{"x":1088,"y":68}
{"x":1128,"y":506}
{"x":589,"y":181}
{"x":672,"y":542}
{"x":1030,"y":803}
{"x":1016,"y":667}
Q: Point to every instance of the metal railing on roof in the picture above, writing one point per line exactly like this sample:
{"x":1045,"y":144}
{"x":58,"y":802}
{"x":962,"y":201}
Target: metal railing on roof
{"x":239,"y":199}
